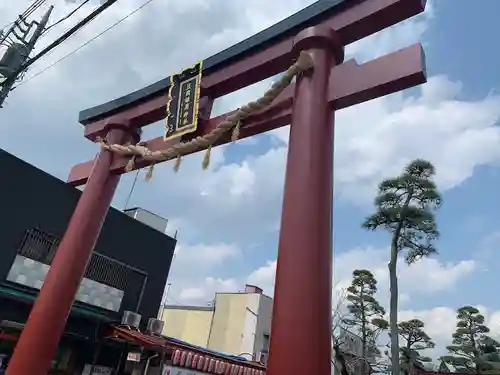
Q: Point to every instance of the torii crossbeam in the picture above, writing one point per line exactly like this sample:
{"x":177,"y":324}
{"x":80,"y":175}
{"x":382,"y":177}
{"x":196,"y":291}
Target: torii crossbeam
{"x":301,"y":326}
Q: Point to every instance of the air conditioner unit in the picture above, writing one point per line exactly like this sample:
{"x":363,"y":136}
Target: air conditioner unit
{"x":131,"y":319}
{"x":262,"y":357}
{"x":155,"y":326}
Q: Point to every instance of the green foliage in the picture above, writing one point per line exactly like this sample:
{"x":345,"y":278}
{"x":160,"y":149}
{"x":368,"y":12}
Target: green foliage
{"x":443,"y":367}
{"x":412,"y":332}
{"x":405,"y":207}
{"x":473,"y":351}
{"x":365,"y":312}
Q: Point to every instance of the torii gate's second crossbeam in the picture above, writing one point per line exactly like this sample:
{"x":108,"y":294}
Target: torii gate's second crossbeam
{"x":301,"y":325}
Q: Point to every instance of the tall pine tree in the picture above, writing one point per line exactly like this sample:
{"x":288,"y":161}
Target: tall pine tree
{"x":405,"y":208}
{"x":365,"y":312}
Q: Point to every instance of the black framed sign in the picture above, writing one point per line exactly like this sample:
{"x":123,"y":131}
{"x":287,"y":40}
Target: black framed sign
{"x":183,"y":102}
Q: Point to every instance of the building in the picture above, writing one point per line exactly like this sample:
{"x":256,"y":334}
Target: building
{"x":236,"y":323}
{"x":351,"y":347}
{"x":150,"y":219}
{"x":127,"y":272}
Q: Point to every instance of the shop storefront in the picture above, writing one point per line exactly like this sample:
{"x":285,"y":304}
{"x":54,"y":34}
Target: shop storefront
{"x":156,"y":355}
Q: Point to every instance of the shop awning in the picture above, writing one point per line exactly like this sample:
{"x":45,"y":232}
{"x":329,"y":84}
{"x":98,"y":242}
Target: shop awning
{"x":189,"y":356}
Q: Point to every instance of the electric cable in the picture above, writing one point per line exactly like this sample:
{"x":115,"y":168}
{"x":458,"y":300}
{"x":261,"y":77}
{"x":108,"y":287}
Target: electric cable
{"x":70,"y":32}
{"x":60,"y":40}
{"x":8,"y":25}
{"x":131,"y":190}
{"x":84,"y":44}
{"x":66,"y":17}
{"x":32,"y":8}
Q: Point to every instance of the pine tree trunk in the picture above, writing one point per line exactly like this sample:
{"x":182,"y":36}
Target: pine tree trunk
{"x":393,"y":314}
{"x":410,"y":361}
{"x":476,"y":354}
{"x":393,"y":282}
{"x":363,"y":334}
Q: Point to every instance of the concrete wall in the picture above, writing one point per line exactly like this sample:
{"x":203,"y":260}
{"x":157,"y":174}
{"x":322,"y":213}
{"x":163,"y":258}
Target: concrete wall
{"x":239,"y":324}
{"x":227,"y":326}
{"x":241,"y":321}
{"x":263,"y":329}
{"x":188,"y":324}
{"x":250,"y":325}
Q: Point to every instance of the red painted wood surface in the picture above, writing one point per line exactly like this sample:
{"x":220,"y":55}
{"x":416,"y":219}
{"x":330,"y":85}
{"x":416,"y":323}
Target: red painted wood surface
{"x":353,"y":84}
{"x":302,"y":309}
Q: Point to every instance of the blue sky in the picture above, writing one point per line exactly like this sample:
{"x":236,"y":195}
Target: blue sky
{"x":228,"y":216}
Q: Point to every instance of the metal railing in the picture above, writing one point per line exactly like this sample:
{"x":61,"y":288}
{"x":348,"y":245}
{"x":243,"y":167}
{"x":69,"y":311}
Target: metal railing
{"x":41,"y":247}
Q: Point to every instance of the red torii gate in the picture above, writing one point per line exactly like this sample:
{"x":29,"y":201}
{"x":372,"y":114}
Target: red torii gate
{"x":302,"y":299}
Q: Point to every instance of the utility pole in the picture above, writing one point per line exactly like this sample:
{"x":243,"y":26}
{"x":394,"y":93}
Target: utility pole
{"x":18,"y":50}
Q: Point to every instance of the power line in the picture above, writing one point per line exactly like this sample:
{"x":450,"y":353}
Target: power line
{"x":70,"y":32}
{"x":15,"y":75}
{"x":84,"y":44}
{"x":66,"y":17}
{"x":19,"y":22}
{"x":8,"y":25}
{"x":32,"y":8}
{"x":23,"y":47}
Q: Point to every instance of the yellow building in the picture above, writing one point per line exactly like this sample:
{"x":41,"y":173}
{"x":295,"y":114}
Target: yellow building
{"x":237,"y":323}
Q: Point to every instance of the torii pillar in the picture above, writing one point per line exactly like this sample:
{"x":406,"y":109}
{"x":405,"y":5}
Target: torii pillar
{"x":301,"y":335}
{"x":301,"y":328}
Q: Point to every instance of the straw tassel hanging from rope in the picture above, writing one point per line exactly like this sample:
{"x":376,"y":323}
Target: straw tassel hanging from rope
{"x":236,"y":132}
{"x":206,"y":158}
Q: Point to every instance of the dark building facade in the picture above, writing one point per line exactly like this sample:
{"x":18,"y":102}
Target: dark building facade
{"x":127,"y":271}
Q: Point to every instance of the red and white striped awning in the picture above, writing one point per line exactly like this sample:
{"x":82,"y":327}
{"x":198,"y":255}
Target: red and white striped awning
{"x":206,"y":363}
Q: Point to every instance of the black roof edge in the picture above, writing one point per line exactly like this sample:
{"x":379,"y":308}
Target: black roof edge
{"x":305,"y":17}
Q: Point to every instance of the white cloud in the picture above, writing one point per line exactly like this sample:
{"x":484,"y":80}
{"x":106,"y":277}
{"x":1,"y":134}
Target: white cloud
{"x":207,"y":292}
{"x":440,"y":324}
{"x":220,"y":211}
{"x":372,"y":140}
{"x":428,"y":276}
{"x":263,"y":277}
{"x":206,"y":255}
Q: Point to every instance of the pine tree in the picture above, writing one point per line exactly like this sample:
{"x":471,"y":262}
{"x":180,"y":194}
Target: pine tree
{"x":365,"y":312}
{"x":472,"y":350}
{"x":405,"y":207}
{"x":443,"y":367}
{"x":412,"y":332}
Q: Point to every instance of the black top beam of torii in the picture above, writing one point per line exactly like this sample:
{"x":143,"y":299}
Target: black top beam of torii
{"x":313,"y":14}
